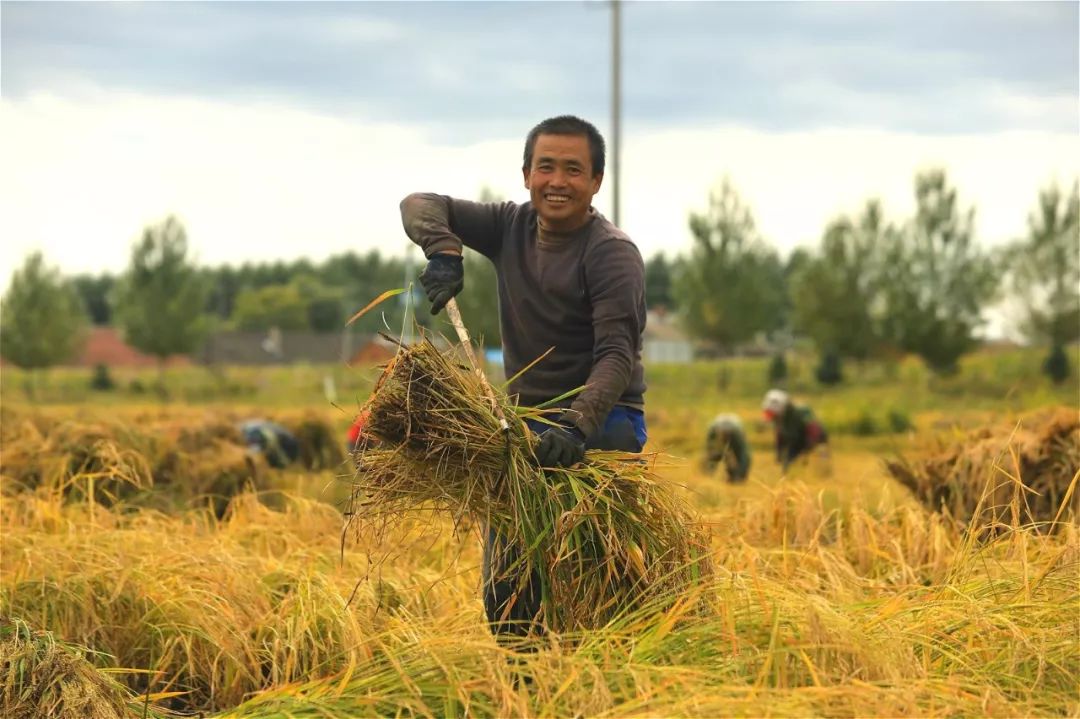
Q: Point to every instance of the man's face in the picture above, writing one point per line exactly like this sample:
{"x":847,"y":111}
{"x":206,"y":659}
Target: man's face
{"x":561,"y":182}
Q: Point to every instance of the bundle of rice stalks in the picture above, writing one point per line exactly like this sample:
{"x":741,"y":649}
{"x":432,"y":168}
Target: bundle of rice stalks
{"x":41,"y":677}
{"x":108,"y":460}
{"x":214,"y":474}
{"x":320,"y":446}
{"x":103,"y":461}
{"x":604,"y":536}
{"x":194,"y":436}
{"x":1014,"y":473}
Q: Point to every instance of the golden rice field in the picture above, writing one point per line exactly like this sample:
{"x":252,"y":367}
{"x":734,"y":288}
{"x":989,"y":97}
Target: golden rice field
{"x":125,"y":592}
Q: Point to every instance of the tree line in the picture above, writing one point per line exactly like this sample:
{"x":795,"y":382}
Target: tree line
{"x":878,"y":287}
{"x":872,"y":287}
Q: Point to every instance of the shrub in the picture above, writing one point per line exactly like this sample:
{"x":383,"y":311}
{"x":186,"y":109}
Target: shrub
{"x":899,"y":421}
{"x":864,"y":425}
{"x":1056,"y":364}
{"x":101,"y":380}
{"x":778,"y":369}
{"x":829,"y":372}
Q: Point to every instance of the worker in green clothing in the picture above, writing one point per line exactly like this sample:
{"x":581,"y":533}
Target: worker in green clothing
{"x":798,"y":431}
{"x":726,"y":443}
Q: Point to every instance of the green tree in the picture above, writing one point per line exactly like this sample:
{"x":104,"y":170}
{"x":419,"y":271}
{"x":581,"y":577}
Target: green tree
{"x":732,"y":284}
{"x":658,"y":280}
{"x":798,"y":259}
{"x":161,"y":297}
{"x":95,"y":294}
{"x":362,"y":279}
{"x":1044,"y":272}
{"x":935,"y":281}
{"x":835,"y":292}
{"x":323,"y":305}
{"x":41,"y":318}
{"x":325,"y":312}
{"x":280,"y":306}
{"x":225,"y":286}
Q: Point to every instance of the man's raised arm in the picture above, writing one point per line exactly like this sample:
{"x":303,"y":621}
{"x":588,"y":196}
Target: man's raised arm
{"x":438,"y":223}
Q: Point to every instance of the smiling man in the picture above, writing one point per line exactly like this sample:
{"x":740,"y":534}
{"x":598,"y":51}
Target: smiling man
{"x":569,"y":281}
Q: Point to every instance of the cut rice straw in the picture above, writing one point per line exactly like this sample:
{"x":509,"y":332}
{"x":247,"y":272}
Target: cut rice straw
{"x":604,"y":537}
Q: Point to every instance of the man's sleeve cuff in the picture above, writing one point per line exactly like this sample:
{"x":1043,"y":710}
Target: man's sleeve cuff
{"x":448,"y":244}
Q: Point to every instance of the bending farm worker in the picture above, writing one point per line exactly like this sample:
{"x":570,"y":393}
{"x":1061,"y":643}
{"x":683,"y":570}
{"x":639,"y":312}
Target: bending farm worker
{"x":569,"y":281}
{"x":798,"y":431}
{"x":726,"y":443}
{"x":277,"y":444}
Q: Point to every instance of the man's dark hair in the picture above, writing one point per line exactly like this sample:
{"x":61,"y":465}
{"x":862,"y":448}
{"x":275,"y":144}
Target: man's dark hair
{"x":568,"y":125}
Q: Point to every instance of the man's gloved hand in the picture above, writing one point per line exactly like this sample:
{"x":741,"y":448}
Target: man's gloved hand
{"x":443,"y":278}
{"x":561,"y":447}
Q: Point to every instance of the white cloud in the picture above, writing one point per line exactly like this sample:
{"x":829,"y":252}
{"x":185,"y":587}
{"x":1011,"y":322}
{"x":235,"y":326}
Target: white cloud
{"x":359,"y":29}
{"x":263,"y":182}
{"x":796,"y":182}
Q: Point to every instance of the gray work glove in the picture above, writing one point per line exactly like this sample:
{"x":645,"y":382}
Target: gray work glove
{"x":560,"y":447}
{"x":443,"y":278}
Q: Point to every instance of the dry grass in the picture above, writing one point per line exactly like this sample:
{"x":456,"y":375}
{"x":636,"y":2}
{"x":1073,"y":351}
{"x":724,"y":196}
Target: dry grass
{"x":156,"y":459}
{"x":835,"y":595}
{"x":821,"y":611}
{"x":1024,"y":469}
{"x":41,"y":677}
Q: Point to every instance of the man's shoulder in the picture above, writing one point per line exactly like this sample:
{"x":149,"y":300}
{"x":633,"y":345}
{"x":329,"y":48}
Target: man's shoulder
{"x":515,"y":213}
{"x":506,"y":208}
{"x":603,"y":230}
{"x":606,"y":237}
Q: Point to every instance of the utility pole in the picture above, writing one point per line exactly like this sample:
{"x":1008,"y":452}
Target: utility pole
{"x":616,"y":103}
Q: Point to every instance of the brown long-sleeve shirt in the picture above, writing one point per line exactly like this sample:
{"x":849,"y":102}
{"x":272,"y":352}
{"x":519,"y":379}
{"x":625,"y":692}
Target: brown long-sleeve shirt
{"x":582,"y":293}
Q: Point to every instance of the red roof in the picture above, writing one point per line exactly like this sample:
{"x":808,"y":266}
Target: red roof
{"x":105,"y":346}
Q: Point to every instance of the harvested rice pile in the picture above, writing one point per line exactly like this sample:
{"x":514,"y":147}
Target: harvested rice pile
{"x":119,"y":459}
{"x":606,"y":535}
{"x":110,"y":459}
{"x":41,"y":677}
{"x":1043,"y":452}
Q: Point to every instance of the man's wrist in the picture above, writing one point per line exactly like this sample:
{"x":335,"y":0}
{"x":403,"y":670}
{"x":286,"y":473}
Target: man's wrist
{"x":568,"y":420}
{"x":576,"y":432}
{"x":444,"y":248}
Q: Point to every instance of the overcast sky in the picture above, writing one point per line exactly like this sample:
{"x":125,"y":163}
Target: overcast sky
{"x":280,"y":130}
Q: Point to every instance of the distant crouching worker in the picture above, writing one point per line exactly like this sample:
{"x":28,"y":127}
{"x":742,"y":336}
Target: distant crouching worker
{"x":798,"y":431}
{"x":277,"y":444}
{"x":726,"y":443}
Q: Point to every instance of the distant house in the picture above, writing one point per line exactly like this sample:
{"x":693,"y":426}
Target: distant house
{"x":371,"y":350}
{"x":105,"y":346}
{"x":275,"y":347}
{"x":663,"y":341}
